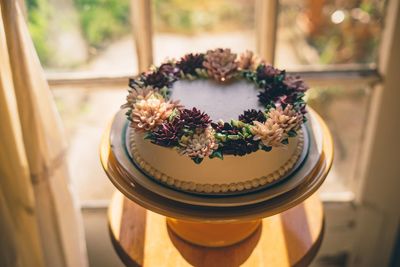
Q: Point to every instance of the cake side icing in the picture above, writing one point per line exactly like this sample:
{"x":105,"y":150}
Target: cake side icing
{"x":233,"y":173}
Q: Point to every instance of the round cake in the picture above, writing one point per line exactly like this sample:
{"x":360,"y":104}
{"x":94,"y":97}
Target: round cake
{"x":216,"y":122}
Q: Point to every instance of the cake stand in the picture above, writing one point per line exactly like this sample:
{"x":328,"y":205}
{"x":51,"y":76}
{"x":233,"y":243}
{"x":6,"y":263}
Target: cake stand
{"x":216,"y":225}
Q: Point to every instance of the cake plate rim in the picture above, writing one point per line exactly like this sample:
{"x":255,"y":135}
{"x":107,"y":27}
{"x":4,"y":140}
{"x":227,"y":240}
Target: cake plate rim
{"x":254,"y":197}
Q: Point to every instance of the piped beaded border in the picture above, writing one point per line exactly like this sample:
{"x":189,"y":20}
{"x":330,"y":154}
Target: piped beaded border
{"x":215,"y":188}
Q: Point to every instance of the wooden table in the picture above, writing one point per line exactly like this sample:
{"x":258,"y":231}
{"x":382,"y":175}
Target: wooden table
{"x":142,"y":238}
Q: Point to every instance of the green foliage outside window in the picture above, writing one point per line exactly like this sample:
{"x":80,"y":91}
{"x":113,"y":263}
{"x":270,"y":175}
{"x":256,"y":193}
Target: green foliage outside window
{"x":103,"y":20}
{"x":38,"y":17}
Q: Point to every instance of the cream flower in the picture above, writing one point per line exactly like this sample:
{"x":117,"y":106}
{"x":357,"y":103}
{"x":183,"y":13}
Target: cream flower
{"x":220,"y":64}
{"x":199,"y":145}
{"x":138,"y":93}
{"x":288,"y":119}
{"x":269,"y":133}
{"x":149,"y":112}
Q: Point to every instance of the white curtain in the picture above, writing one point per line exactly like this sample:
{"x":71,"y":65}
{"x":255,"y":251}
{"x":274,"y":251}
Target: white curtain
{"x":40,"y":221}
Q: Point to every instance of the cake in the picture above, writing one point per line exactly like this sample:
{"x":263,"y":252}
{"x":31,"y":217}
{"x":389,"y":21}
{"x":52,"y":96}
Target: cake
{"x":216,"y":122}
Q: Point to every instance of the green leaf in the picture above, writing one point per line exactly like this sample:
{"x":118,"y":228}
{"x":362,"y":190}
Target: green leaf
{"x":292,"y":133}
{"x":164,"y":92}
{"x":184,"y":139}
{"x":217,"y":154}
{"x":221,"y":137}
{"x":197,"y":160}
{"x":233,"y":137}
{"x":285,"y":141}
{"x":148,"y":136}
{"x":174,"y":113}
{"x":266,"y":148}
{"x":238,"y":123}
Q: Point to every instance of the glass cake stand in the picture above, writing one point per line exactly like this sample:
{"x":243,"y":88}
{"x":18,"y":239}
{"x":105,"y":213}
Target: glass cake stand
{"x":218,"y":221}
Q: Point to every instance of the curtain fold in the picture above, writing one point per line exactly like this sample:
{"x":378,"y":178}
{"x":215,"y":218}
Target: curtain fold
{"x":38,"y":152}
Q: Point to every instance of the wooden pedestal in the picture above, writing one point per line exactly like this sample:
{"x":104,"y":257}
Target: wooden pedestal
{"x":143,"y":238}
{"x":285,"y":230}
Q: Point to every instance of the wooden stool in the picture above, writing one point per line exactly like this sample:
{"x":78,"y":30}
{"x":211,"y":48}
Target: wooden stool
{"x":142,"y":238}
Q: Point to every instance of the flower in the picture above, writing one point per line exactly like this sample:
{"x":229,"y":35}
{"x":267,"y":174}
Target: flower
{"x":248,"y":61}
{"x":137,"y":93}
{"x":267,"y":72}
{"x":233,"y":142}
{"x":220,"y":64}
{"x":146,"y":114}
{"x":190,"y":62}
{"x":295,"y":83}
{"x":288,"y":119}
{"x":168,"y":69}
{"x":251,"y":115}
{"x":269,"y":133}
{"x":199,"y":145}
{"x":157,"y":79}
{"x":194,"y":119}
{"x":271,"y":93}
{"x":168,"y":133}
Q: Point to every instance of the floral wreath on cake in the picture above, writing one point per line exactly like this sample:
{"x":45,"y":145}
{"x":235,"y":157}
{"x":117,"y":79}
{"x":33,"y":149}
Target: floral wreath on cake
{"x":191,"y":132}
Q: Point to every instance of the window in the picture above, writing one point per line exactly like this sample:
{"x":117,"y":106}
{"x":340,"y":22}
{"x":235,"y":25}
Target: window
{"x":333,"y":44}
{"x":312,"y":38}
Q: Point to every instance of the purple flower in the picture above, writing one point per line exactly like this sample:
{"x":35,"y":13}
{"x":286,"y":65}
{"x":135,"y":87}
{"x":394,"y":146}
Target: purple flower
{"x":295,"y":83}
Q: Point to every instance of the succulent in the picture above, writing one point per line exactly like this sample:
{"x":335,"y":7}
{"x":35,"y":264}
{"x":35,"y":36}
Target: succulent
{"x":190,"y":62}
{"x":269,"y":133}
{"x":248,"y":61}
{"x":194,"y":119}
{"x":233,"y":139}
{"x":267,"y":73}
{"x":169,"y":69}
{"x":137,"y":93}
{"x":251,"y":115}
{"x":288,"y":119}
{"x":295,"y":83}
{"x":199,"y":145}
{"x":220,"y":64}
{"x":147,"y":114}
{"x":167,"y":134}
{"x":156,"y":79}
{"x":271,"y":93}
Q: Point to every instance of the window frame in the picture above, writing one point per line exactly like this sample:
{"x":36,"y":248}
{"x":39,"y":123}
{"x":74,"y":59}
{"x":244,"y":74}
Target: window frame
{"x":379,"y":212}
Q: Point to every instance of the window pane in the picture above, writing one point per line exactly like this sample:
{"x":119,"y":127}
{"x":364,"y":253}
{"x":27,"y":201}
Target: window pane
{"x":85,"y":114}
{"x":345,"y":111}
{"x":82,"y":35}
{"x":182,"y":26}
{"x":328,"y":32}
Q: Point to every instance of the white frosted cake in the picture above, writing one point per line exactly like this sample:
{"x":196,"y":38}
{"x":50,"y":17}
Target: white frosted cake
{"x":216,"y":122}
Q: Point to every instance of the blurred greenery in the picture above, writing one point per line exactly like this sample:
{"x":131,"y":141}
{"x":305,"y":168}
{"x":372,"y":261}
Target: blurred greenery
{"x":354,"y":40}
{"x":38,"y":17}
{"x":103,"y":20}
{"x":190,"y":17}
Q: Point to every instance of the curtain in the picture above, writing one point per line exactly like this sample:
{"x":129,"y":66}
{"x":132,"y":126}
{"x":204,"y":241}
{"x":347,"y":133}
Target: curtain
{"x":40,"y":221}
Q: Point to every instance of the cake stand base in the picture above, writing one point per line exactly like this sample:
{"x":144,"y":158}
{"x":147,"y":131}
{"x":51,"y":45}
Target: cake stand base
{"x":213,"y":234}
{"x":142,"y":238}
